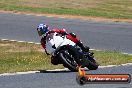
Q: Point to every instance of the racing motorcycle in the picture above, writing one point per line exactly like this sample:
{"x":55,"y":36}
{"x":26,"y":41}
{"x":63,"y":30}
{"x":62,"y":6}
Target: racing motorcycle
{"x":66,"y":52}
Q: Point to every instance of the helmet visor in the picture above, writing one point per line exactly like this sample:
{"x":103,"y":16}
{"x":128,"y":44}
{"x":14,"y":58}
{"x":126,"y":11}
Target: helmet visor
{"x":41,"y":32}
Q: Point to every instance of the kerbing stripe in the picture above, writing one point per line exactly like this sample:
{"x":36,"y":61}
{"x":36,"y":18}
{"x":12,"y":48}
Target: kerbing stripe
{"x":65,"y":69}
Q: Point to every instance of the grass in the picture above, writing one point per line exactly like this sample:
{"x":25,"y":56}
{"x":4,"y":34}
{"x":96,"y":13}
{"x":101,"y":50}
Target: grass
{"x":16,"y":57}
{"x":112,"y":58}
{"x":97,"y":8}
{"x":23,"y":57}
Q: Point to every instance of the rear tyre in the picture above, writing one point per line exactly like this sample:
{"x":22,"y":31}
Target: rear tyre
{"x":93,"y":65}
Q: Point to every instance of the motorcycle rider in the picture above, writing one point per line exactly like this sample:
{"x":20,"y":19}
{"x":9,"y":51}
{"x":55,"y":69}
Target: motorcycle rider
{"x":43,"y":31}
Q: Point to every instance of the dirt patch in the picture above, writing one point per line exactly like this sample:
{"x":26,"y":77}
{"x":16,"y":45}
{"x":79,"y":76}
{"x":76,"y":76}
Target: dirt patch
{"x":90,"y":18}
{"x":4,"y":44}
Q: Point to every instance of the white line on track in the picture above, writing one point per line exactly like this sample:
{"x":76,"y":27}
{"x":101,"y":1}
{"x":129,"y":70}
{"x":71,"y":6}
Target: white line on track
{"x":32,"y":72}
{"x":49,"y":16}
{"x":18,"y":73}
{"x":127,"y":53}
{"x":62,"y":17}
{"x":65,"y":69}
{"x":115,"y":65}
{"x":39,"y":43}
{"x":18,"y":41}
{"x":4,"y":39}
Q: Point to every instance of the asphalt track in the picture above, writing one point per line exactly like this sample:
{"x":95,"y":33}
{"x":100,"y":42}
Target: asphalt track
{"x":98,"y":35}
{"x":61,"y":79}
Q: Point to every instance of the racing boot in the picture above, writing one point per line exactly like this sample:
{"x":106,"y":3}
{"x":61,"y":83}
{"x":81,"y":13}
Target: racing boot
{"x":54,"y":60}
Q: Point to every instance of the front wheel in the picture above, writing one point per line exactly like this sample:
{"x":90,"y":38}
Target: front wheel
{"x":68,"y":60}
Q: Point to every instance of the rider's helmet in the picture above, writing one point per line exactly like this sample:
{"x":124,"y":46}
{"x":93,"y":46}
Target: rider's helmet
{"x":42,"y":29}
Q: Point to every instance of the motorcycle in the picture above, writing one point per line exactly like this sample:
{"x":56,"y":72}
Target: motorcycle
{"x":66,"y":52}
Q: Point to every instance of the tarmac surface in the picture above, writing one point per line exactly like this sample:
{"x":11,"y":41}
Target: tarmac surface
{"x":96,"y":35}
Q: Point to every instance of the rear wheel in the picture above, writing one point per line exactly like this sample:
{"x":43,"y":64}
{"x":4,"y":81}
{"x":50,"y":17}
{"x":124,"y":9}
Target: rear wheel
{"x":93,"y":65}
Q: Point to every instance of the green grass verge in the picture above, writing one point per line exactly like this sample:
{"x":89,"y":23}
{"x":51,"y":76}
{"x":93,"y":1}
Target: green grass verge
{"x":16,"y":57}
{"x":112,"y":58}
{"x":103,"y":8}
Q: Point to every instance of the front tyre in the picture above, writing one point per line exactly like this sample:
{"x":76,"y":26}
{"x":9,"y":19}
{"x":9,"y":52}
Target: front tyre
{"x":68,"y":60}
